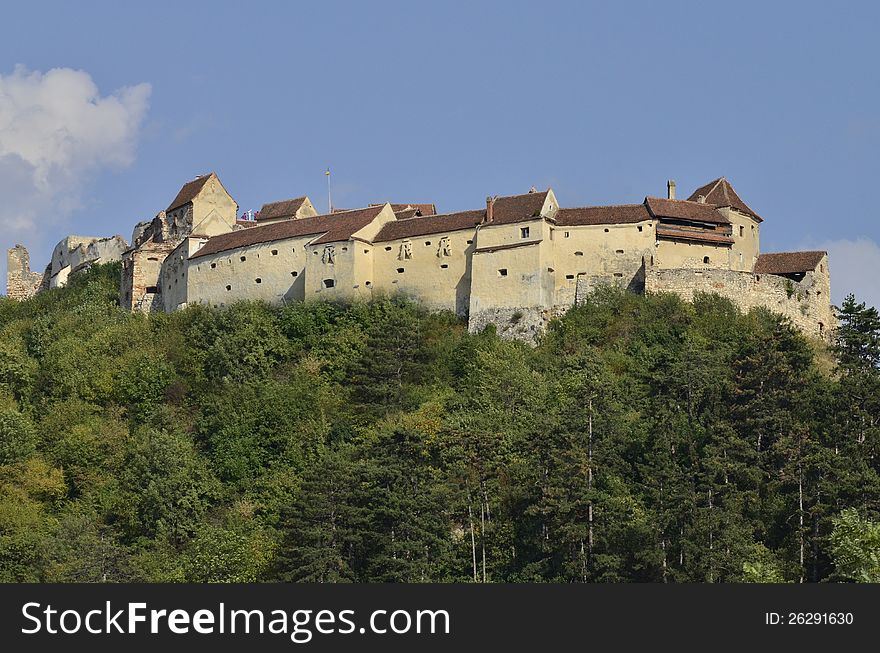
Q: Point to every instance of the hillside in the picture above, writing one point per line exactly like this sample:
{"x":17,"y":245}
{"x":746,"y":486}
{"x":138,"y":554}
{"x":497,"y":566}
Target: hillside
{"x":644,"y":439}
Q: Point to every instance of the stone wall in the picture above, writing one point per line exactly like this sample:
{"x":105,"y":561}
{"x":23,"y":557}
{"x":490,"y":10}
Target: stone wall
{"x":526,"y":324}
{"x":21,"y":283}
{"x":806,"y":302}
{"x":140,"y":288}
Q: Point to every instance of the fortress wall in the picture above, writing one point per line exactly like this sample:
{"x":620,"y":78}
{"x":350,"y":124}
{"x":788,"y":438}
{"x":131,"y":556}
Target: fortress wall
{"x":141,"y":277}
{"x":675,"y":255}
{"x":342,"y":276}
{"x":806,"y":303}
{"x":424,"y":276}
{"x":746,"y":247}
{"x":280,"y":266}
{"x":105,"y":250}
{"x":599,"y":253}
{"x":512,"y":289}
{"x":21,"y":283}
{"x":173,"y":276}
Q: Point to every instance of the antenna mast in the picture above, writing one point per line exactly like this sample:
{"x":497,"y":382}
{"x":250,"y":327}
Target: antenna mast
{"x":329,"y":197}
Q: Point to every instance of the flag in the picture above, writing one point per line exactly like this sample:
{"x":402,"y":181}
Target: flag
{"x":328,"y":172}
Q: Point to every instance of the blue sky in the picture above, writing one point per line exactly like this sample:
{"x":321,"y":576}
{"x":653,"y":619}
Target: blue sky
{"x":446,"y":103}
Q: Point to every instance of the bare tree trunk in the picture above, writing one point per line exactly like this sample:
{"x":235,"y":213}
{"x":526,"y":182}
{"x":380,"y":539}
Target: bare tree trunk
{"x":488,"y":520}
{"x":663,"y":547}
{"x":483,"y":535}
{"x":590,"y":480}
{"x":711,"y":540}
{"x":801,"y":517}
{"x":471,"y":523}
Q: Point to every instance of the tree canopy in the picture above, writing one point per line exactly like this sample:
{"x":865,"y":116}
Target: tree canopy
{"x":643,"y":439}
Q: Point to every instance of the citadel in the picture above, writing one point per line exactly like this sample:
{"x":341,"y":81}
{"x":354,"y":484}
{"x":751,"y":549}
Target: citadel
{"x":516,"y":262}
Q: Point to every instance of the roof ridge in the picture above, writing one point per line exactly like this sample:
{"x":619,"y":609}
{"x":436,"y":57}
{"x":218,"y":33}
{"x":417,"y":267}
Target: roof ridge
{"x":666,"y":199}
{"x":799,"y":251}
{"x":442,"y":215}
{"x":289,"y":199}
{"x":599,"y":206}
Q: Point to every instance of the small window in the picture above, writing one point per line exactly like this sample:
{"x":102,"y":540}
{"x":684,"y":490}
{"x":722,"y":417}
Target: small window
{"x":705,"y":259}
{"x":244,"y":258}
{"x":258,"y":280}
{"x":152,"y":258}
{"x":427,"y":243}
{"x":228,"y":288}
{"x":618,"y":251}
{"x":606,"y":231}
{"x":550,"y":270}
{"x":567,"y":234}
{"x":569,"y":276}
{"x":578,"y":253}
{"x":399,"y":270}
{"x":294,"y":273}
{"x":274,"y":252}
{"x":213,"y":265}
{"x":329,"y":283}
{"x":742,"y":230}
{"x":345,"y":249}
{"x":366,"y":251}
{"x":502,"y":272}
{"x":444,"y":266}
{"x":387,"y":249}
{"x":618,"y":274}
{"x":368,"y":283}
{"x":524,"y":232}
{"x":152,"y":290}
{"x":470,"y":242}
{"x":640,"y":227}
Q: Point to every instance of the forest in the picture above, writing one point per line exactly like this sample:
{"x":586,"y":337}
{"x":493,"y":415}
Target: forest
{"x":644,"y":439}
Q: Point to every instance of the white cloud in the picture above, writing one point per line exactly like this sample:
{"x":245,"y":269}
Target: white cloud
{"x":855,"y":268}
{"x":56,"y":131}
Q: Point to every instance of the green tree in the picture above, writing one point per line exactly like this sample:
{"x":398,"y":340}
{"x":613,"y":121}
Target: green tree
{"x":855,"y":547}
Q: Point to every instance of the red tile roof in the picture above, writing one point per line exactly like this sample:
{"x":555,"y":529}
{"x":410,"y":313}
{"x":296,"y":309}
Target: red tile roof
{"x":595,"y":215}
{"x":282,"y":209}
{"x":498,"y":248}
{"x":422,"y":209}
{"x":431,"y":224}
{"x":684,"y":210}
{"x":711,"y":237}
{"x":334,"y":227}
{"x":720,"y":193}
{"x":189,"y":191}
{"x":518,"y":208}
{"x":788,"y":262}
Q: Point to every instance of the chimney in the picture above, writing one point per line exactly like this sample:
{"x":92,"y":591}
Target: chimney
{"x":490,"y":208}
{"x":670,"y":189}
